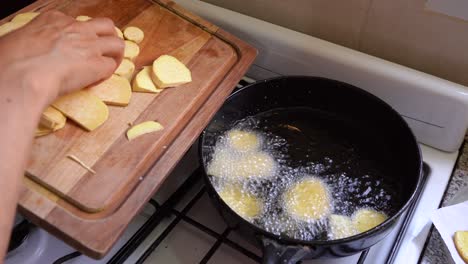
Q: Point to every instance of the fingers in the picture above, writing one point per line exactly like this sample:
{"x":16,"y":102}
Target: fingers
{"x":101,"y":26}
{"x":112,"y":47}
{"x":103,"y":67}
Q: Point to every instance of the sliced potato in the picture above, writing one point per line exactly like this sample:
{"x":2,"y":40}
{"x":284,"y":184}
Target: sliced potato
{"x":241,"y":201}
{"x":125,"y":69}
{"x":52,"y":119}
{"x":143,"y":83}
{"x":25,"y":17}
{"x":243,"y":140}
{"x":254,"y":165}
{"x":143,"y":128}
{"x":169,"y":72}
{"x":42,"y":131}
{"x":83,"y":18}
{"x":365,"y":219}
{"x":119,"y":32}
{"x":461,"y":243}
{"x":134,"y":34}
{"x":307,"y":200}
{"x":131,"y":50}
{"x":11,"y":26}
{"x":222,"y":164}
{"x":114,"y":91}
{"x":86,"y":109}
{"x":341,"y":226}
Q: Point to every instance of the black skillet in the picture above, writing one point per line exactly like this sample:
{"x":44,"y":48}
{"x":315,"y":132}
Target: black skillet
{"x":380,"y":132}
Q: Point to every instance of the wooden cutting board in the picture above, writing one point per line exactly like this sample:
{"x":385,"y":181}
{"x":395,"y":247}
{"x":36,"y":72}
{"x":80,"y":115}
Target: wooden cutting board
{"x":119,"y":163}
{"x":129,"y":174}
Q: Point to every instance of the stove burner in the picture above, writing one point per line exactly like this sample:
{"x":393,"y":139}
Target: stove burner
{"x":19,"y":234}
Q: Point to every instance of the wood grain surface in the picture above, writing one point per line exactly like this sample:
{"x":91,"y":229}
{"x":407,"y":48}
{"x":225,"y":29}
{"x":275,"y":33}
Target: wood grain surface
{"x":118,"y":162}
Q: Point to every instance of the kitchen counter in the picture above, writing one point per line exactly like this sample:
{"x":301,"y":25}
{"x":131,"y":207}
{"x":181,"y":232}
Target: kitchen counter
{"x":435,"y":250}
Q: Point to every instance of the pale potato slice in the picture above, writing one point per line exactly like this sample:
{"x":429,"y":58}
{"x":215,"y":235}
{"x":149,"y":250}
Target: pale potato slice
{"x":134,"y":34}
{"x":52,"y":119}
{"x":169,"y":72}
{"x":143,"y":83}
{"x":131,"y":50}
{"x":365,"y":219}
{"x":125,"y":69}
{"x":114,"y":91}
{"x":42,"y":131}
{"x":461,"y":243}
{"x":242,"y":202}
{"x":307,"y":200}
{"x":222,"y":164}
{"x":119,"y":33}
{"x":25,"y":17}
{"x":254,"y":165}
{"x":143,"y":128}
{"x":341,"y":226}
{"x":86,"y":109}
{"x":243,"y":141}
{"x":83,"y":18}
{"x":11,"y":26}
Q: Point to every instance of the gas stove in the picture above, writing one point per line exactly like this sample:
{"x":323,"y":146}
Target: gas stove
{"x":179,"y":225}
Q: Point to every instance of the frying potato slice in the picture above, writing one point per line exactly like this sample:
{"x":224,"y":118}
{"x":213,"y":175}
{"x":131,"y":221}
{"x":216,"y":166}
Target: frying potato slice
{"x":134,"y":34}
{"x":255,"y":165}
{"x":143,"y":83}
{"x":52,"y":119}
{"x":125,"y":69}
{"x":243,"y":141}
{"x":119,"y":33}
{"x":461,"y":243}
{"x":83,"y":18}
{"x":242,"y":202}
{"x":11,"y":26}
{"x":25,"y":17}
{"x":365,"y":219}
{"x":341,"y":226}
{"x":114,"y":91}
{"x":86,"y":109}
{"x":143,"y":128}
{"x":169,"y":72}
{"x":222,"y":164}
{"x":307,"y":200}
{"x":42,"y":131}
{"x":131,"y":50}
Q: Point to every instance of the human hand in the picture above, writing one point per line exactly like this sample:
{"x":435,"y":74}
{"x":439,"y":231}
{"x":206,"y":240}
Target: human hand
{"x":55,"y":54}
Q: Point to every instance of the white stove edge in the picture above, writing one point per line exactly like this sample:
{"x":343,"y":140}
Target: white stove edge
{"x":424,"y":100}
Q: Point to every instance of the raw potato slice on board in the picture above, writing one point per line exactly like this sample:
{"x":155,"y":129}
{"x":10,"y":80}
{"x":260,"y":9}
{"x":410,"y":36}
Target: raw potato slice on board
{"x":11,"y":26}
{"x":143,"y":83}
{"x":114,"y":91}
{"x":52,"y":119}
{"x":125,"y":69}
{"x":119,"y":33}
{"x":143,"y":128}
{"x":42,"y":131}
{"x":25,"y":17}
{"x":307,"y":200}
{"x":86,"y":109}
{"x":242,"y":202}
{"x":461,"y":243}
{"x":134,"y":34}
{"x":131,"y":50}
{"x":365,"y":219}
{"x":169,"y":72}
{"x":83,"y":18}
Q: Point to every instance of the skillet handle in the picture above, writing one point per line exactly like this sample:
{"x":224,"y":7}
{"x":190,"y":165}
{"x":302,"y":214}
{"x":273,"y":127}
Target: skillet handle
{"x":275,"y":253}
